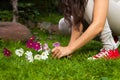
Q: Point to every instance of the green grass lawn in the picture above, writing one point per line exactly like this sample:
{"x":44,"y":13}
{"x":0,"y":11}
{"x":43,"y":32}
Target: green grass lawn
{"x":75,"y":68}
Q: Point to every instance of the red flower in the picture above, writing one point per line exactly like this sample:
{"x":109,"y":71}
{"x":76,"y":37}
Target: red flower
{"x":37,"y":46}
{"x":7,"y":52}
{"x":29,"y":44}
{"x":32,"y":38}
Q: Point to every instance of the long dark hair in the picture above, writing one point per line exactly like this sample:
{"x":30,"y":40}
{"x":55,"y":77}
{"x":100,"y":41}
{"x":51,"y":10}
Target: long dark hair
{"x":75,"y":8}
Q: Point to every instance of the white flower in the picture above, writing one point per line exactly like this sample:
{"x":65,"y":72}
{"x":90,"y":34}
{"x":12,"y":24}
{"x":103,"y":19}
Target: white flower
{"x":37,"y":57}
{"x":44,"y":55}
{"x":29,"y":56}
{"x":19,"y":52}
{"x":28,"y":53}
{"x":46,"y":52}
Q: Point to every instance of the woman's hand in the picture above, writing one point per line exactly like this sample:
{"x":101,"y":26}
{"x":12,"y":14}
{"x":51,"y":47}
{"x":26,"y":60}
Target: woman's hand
{"x":59,"y":52}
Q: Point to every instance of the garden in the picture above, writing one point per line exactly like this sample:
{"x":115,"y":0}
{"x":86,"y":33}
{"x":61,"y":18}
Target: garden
{"x":31,"y":58}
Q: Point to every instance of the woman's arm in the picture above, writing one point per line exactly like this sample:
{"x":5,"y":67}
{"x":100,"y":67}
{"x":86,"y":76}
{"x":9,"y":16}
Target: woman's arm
{"x":97,"y":25}
{"x":75,"y":34}
{"x":99,"y":18}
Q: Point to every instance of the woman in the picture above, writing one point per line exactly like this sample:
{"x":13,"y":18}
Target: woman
{"x":101,"y":15}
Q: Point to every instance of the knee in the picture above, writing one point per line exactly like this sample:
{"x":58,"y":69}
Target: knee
{"x":64,"y":27}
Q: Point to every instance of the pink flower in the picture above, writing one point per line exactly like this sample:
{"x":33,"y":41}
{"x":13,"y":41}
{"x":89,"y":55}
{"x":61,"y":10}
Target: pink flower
{"x":45,"y":46}
{"x":29,"y":44}
{"x":7,"y":52}
{"x":37,"y":46}
{"x":56,"y":44}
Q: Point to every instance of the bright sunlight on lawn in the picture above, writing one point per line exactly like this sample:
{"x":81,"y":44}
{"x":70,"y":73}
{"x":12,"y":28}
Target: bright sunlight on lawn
{"x":75,"y":68}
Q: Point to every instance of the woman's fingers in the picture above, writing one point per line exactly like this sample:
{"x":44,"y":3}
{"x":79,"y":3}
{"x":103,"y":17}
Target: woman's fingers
{"x":59,"y":52}
{"x":55,"y":52}
{"x":55,"y":49}
{"x":60,"y":56}
{"x":57,"y":55}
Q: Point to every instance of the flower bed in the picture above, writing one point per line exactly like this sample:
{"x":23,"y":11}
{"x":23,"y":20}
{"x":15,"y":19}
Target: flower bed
{"x":35,"y":50}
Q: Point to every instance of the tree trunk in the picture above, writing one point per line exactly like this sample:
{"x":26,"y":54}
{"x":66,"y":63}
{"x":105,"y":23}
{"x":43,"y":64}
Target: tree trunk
{"x":15,"y":10}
